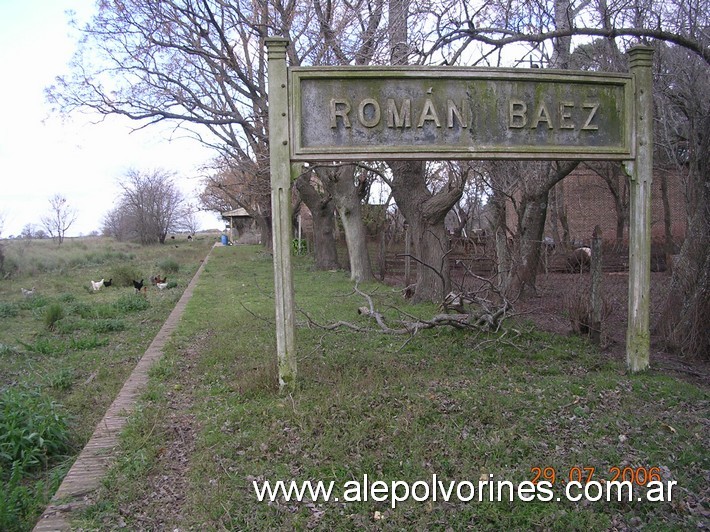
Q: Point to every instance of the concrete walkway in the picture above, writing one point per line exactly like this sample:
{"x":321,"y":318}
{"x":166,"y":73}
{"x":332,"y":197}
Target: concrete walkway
{"x":96,"y":457}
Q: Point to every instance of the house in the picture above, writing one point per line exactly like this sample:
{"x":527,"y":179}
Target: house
{"x":237,"y":222}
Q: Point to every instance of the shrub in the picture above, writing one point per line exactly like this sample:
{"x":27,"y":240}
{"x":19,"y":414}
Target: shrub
{"x":61,"y":380}
{"x":33,"y":433}
{"x":124,"y":274}
{"x":299,"y":246}
{"x":578,"y":307}
{"x":10,"y":267}
{"x":52,"y":314}
{"x":169,"y":265}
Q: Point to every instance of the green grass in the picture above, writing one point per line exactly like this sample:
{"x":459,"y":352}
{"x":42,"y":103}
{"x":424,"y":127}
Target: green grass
{"x":72,"y":346}
{"x":455,"y":404}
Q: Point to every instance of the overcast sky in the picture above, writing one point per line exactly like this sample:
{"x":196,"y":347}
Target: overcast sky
{"x":42,"y":154}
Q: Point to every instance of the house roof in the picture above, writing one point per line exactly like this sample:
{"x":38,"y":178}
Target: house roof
{"x":236,"y":213}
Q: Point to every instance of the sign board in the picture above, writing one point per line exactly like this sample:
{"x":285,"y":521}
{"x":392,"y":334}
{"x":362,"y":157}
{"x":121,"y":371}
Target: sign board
{"x":349,"y":113}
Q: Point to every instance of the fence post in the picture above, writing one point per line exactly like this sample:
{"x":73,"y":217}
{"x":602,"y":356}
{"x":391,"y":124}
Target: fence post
{"x":407,"y":257}
{"x":596,"y":270}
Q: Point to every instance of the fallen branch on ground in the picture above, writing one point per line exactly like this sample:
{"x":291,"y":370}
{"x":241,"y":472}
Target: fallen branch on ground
{"x":482,"y":316}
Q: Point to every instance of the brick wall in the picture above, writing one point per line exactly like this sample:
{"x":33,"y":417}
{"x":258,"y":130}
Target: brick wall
{"x":589,"y":202}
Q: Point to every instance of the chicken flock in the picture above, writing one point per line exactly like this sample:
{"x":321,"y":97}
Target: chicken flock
{"x":161,"y":283}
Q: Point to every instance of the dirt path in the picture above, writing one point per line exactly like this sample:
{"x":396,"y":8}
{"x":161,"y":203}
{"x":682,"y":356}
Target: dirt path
{"x":163,"y":497}
{"x":93,"y":461}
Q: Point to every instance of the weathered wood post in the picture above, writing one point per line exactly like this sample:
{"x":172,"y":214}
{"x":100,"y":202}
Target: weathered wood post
{"x":596,"y":296}
{"x":638,"y":342}
{"x":280,"y":167}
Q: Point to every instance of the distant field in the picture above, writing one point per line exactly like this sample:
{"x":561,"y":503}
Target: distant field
{"x":518,"y":405}
{"x":65,"y":350}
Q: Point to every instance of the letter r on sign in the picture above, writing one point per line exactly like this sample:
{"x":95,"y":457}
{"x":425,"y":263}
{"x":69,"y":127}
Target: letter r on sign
{"x":339,"y":108}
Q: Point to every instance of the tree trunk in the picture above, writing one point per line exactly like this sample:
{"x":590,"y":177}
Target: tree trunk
{"x":425,"y":212}
{"x":687,"y":306}
{"x":499,"y":224}
{"x":322,"y":210}
{"x":264,"y":224}
{"x":555,"y":192}
{"x":531,"y":227}
{"x":532,"y":212}
{"x":340,"y":183}
{"x":562,"y":213}
{"x":685,"y":315}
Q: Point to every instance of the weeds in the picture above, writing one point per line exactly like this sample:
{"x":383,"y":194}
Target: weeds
{"x":45,"y":346}
{"x":52,"y":314}
{"x":131,"y":303}
{"x":34,"y":303}
{"x":8,"y":310}
{"x":34,"y":433}
{"x":33,"y":430}
{"x":7,"y":350}
{"x":107,"y":325}
{"x":61,"y":380}
{"x":578,"y":308}
{"x":84,"y":343}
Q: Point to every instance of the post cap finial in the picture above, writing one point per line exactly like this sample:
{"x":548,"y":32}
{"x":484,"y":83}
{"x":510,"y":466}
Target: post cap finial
{"x":276,"y":47}
{"x":640,"y":56}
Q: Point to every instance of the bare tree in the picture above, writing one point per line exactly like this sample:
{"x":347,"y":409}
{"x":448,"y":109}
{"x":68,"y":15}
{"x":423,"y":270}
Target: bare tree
{"x":683,"y":26}
{"x":617,"y":183}
{"x":60,"y":218}
{"x":202,"y":65}
{"x":30,"y":231}
{"x":684,"y":141}
{"x":232,"y":183}
{"x":149,"y":207}
{"x":189,"y":221}
{"x":199,"y":65}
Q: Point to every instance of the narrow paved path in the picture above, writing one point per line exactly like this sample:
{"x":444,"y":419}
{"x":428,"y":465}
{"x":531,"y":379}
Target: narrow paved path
{"x":94,"y":460}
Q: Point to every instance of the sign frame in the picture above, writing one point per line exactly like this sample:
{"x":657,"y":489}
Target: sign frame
{"x":311,"y":77}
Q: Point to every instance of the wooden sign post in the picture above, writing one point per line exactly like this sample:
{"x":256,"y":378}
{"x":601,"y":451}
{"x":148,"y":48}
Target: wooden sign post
{"x":443,"y":113}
